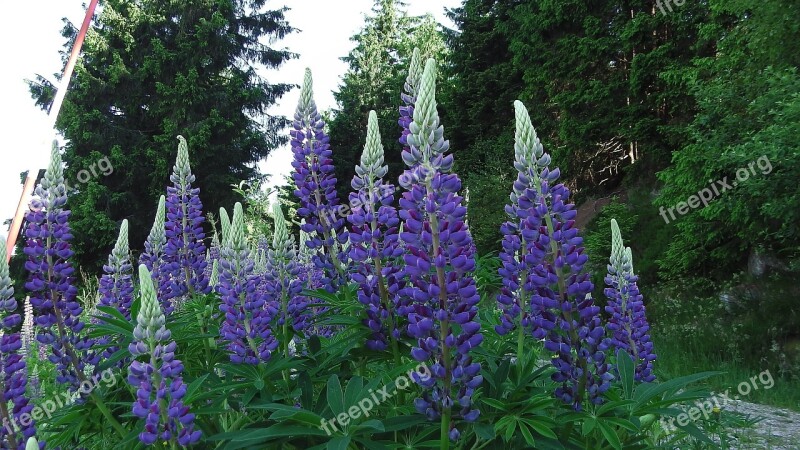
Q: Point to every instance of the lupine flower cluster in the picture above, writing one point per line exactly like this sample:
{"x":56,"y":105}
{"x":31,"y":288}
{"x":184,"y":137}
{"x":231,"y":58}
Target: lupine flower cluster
{"x":248,"y":312}
{"x":116,"y":289}
{"x":184,"y":252}
{"x":283,"y":281}
{"x":627,"y":324}
{"x":373,"y":238}
{"x":316,"y":189}
{"x":545,"y":261}
{"x":159,"y":386}
{"x":153,"y":257}
{"x":57,"y":314}
{"x":439,"y":262}
{"x":13,"y":373}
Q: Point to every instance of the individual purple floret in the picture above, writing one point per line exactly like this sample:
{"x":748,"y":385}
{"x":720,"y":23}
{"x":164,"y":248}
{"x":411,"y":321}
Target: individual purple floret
{"x":545,"y":288}
{"x":157,"y":376}
{"x":316,"y":189}
{"x":373,"y":240}
{"x":184,"y":252}
{"x":57,"y":314}
{"x":627,"y":325}
{"x":13,"y":371}
{"x":116,"y":290}
{"x":248,"y":311}
{"x":439,"y":262}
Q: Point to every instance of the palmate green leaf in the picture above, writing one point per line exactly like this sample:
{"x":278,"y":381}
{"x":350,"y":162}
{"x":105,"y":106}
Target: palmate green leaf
{"x":610,"y":435}
{"x":647,"y":391}
{"x":542,"y":425}
{"x":338,"y":443}
{"x":626,"y":371}
{"x":335,"y":395}
{"x":399,"y":423}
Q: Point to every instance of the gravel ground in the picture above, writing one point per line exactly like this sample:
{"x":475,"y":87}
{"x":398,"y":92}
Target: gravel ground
{"x":777,"y":429}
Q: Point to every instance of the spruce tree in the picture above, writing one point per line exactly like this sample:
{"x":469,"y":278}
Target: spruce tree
{"x":152,"y":70}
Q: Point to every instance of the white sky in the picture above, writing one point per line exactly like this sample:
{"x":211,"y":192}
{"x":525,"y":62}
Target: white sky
{"x":29,"y":44}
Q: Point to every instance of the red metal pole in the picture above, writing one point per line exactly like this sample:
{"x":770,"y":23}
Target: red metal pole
{"x":16,"y":223}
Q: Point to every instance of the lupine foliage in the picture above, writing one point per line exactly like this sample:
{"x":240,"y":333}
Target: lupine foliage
{"x":402,"y":278}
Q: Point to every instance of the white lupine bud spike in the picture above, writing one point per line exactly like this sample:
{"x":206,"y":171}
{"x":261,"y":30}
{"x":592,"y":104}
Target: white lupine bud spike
{"x":225,"y":226}
{"x":55,"y":170}
{"x":150,"y":318}
{"x":158,"y":237}
{"x":372,"y":157}
{"x":425,"y":126}
{"x":182,"y":167}
{"x":617,"y":247}
{"x":237,"y":239}
{"x":528,"y":150}
{"x":415,"y":69}
{"x":306,"y":105}
{"x":32,"y":444}
{"x":281,"y":235}
{"x":628,"y":260}
{"x":6,"y":288}
{"x":214,"y":278}
{"x":122,"y":249}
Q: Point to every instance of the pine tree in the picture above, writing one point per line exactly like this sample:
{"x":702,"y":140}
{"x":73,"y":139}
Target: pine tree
{"x":150,"y":71}
{"x":374,"y":79}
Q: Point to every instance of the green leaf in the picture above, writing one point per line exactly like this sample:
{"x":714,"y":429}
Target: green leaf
{"x":610,"y":435}
{"x":626,"y":372}
{"x":335,"y":396}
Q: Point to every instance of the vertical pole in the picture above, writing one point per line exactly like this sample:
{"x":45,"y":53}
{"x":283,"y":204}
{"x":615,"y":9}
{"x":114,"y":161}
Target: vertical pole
{"x":27,"y":188}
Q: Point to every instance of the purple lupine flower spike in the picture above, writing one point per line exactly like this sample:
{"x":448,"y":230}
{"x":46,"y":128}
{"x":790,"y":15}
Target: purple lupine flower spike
{"x":283,"y":281}
{"x":373,"y":240}
{"x":116,"y":289}
{"x":248,"y":313}
{"x":316,"y":188}
{"x":543,"y":268}
{"x":157,"y":376}
{"x":153,"y":257}
{"x":439,"y":262}
{"x":184,"y":252}
{"x":627,"y":325}
{"x":13,"y":371}
{"x":57,"y":314}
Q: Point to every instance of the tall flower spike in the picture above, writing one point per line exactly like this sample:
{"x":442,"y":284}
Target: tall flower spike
{"x":157,"y":379}
{"x":116,"y":289}
{"x":627,"y":325}
{"x":283,"y":282}
{"x":50,"y":283}
{"x":246,"y":328}
{"x":184,"y":253}
{"x":373,"y":238}
{"x":545,"y":290}
{"x":409,"y":97}
{"x":439,"y":262}
{"x":13,"y":372}
{"x":153,"y":257}
{"x":316,"y":189}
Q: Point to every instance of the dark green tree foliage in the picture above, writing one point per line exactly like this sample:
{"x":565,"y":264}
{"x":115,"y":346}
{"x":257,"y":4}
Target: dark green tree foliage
{"x":151,"y":70}
{"x":600,"y":76}
{"x":748,"y":122}
{"x":377,"y":70}
{"x":482,"y":83}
